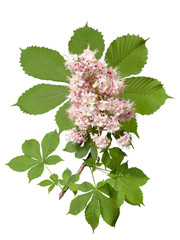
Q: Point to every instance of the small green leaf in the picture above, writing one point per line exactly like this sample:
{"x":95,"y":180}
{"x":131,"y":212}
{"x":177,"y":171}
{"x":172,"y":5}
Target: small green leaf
{"x":79,"y":203}
{"x":22,"y":163}
{"x":66,"y":175}
{"x":42,"y":98}
{"x":35,"y":172}
{"x":54,"y":177}
{"x":74,"y":178}
{"x":130,"y":126}
{"x":45,"y":183}
{"x":106,"y":159}
{"x":92,"y":212}
{"x":94,"y":151}
{"x":44,"y":63}
{"x":83,"y":151}
{"x":31,"y":148}
{"x":109,"y":210}
{"x":117,"y":156}
{"x":62,"y":119}
{"x":90,"y":161}
{"x":86,"y":187}
{"x":53,"y":159}
{"x":49,"y":143}
{"x":51,"y":188}
{"x":71,"y":147}
{"x":128,"y":53}
{"x":73,"y":186}
{"x":107,"y":189}
{"x":86,"y":36}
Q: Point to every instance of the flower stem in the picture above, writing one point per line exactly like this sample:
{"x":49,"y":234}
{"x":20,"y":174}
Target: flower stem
{"x":93,"y":177}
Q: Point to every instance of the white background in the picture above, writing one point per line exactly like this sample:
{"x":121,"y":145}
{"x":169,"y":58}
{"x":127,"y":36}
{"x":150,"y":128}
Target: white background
{"x":26,"y":210}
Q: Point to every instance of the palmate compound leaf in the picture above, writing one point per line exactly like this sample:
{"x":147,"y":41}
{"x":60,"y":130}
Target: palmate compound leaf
{"x":42,"y":98}
{"x":44,"y":63}
{"x":147,"y":93}
{"x":53,"y":159}
{"x":128,"y":53}
{"x":92,"y":212}
{"x":86,"y":36}
{"x":62,"y":119}
{"x":49,"y":143}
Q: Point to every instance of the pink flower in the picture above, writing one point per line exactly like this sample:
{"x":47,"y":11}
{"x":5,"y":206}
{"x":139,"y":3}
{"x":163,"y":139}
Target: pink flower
{"x":125,"y":140}
{"x":100,"y":141}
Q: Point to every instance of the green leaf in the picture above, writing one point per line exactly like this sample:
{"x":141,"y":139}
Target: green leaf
{"x":49,"y":143}
{"x":51,"y":188}
{"x":66,"y":175}
{"x":31,"y":148}
{"x":74,"y":178}
{"x":62,"y":119}
{"x":21,"y":163}
{"x":92,"y":212}
{"x":71,"y":147}
{"x":147,"y":93}
{"x":86,"y":36}
{"x":117,"y":156}
{"x":138,"y":177}
{"x":45,"y":183}
{"x":54,"y":159}
{"x":130,"y":126}
{"x":107,"y":189}
{"x":54,"y":177}
{"x":86,"y":187}
{"x":109,"y":210}
{"x":94,"y":152}
{"x":42,"y":98}
{"x":90,"y":161}
{"x":79,"y":203}
{"x":83,"y":151}
{"x":44,"y":63}
{"x":128,"y":53}
{"x":106,"y":159}
{"x":35,"y":171}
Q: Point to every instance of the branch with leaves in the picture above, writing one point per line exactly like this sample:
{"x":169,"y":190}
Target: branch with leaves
{"x":101,"y":100}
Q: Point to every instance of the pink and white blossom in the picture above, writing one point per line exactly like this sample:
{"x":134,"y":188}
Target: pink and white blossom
{"x":124,"y":140}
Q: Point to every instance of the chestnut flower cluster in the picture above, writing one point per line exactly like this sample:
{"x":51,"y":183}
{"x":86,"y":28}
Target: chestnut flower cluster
{"x":94,"y":90}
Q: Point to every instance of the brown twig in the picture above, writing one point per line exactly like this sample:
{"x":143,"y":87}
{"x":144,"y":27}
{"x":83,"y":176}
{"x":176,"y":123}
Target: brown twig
{"x":78,"y":172}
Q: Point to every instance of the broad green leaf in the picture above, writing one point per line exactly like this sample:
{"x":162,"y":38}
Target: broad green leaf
{"x":92,"y":212}
{"x":117,"y":155}
{"x":31,"y":148}
{"x":86,"y":187}
{"x":66,"y":175}
{"x":86,"y":36}
{"x":79,"y":203}
{"x":35,"y":171}
{"x":83,"y":151}
{"x":51,"y":188}
{"x":62,"y":119}
{"x":109,"y":210}
{"x":71,"y":147}
{"x":53,"y":159}
{"x":44,"y":63}
{"x":49,"y":143}
{"x":137,"y":176}
{"x":106,"y":159}
{"x":147,"y":93}
{"x":94,"y":152}
{"x":130,"y":126}
{"x":22,"y":163}
{"x":90,"y":161}
{"x":42,"y":98}
{"x":121,"y":169}
{"x":73,"y":186}
{"x":45,"y":183}
{"x":128,"y":53}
